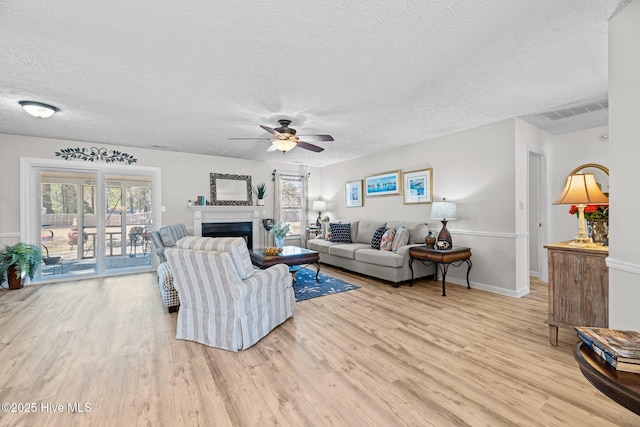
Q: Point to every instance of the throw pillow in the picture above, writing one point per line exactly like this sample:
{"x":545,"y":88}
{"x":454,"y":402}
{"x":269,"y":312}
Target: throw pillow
{"x":167,"y":237}
{"x":401,"y":238}
{"x":340,"y":232}
{"x":386,"y":243}
{"x":377,"y":237}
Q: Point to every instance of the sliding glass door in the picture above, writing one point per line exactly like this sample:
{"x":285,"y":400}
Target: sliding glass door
{"x":91,"y":221}
{"x":66,"y":246}
{"x":128,"y":222}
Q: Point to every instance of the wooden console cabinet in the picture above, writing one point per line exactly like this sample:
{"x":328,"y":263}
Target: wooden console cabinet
{"x":578,"y":287}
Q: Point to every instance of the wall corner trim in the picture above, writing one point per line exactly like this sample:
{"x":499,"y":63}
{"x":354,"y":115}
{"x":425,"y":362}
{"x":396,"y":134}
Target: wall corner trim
{"x":617,"y":264}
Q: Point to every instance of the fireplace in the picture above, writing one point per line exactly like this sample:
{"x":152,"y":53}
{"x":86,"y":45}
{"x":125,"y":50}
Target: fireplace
{"x":229,"y":229}
{"x":228,"y":221}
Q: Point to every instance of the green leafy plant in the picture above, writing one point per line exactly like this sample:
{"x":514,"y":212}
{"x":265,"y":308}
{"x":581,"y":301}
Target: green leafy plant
{"x":260,"y":190}
{"x":280,"y":229}
{"x":25,"y":256}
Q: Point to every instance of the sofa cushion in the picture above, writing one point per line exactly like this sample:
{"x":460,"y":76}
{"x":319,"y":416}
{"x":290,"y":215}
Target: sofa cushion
{"x":340,"y":232}
{"x":387,"y":240}
{"x":345,"y":250}
{"x":417,"y":230}
{"x":320,"y":245}
{"x":354,"y":230}
{"x":401,"y":238}
{"x":366,"y":229}
{"x":377,"y":237}
{"x":382,"y":258}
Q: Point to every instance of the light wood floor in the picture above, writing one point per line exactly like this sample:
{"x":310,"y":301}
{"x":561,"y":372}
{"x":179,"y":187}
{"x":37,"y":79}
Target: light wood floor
{"x":376,"y":356}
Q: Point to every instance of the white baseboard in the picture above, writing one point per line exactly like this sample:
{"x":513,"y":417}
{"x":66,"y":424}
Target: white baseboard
{"x":488,"y":288}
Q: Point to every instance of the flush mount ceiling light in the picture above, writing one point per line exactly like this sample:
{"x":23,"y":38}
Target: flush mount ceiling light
{"x":38,"y":109}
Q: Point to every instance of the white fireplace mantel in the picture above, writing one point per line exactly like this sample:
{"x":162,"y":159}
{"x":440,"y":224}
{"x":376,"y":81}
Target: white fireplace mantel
{"x":207,"y":214}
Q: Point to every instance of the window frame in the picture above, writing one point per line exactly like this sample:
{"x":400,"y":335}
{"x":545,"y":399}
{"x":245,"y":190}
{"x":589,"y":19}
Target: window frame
{"x":290,"y":176}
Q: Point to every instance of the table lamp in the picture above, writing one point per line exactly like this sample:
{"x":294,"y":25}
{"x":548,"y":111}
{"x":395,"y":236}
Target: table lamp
{"x":319,"y":205}
{"x":581,"y":189}
{"x":444,"y":211}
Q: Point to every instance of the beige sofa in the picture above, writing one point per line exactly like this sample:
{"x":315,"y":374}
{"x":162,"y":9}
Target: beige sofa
{"x":360,"y":257}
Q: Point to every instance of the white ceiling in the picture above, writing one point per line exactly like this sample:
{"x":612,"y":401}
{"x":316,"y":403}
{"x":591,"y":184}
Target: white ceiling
{"x":374,"y":74}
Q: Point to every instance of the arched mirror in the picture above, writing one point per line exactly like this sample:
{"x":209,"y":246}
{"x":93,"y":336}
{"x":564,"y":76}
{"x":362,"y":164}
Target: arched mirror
{"x":597,"y":218}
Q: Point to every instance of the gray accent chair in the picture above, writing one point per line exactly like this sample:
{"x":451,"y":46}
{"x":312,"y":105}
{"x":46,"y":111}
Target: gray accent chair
{"x":224,"y":301}
{"x":166,"y":237}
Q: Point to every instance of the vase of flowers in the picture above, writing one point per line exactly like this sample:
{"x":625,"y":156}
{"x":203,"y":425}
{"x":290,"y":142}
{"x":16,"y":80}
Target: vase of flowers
{"x":280,"y":231}
{"x":597,"y":219}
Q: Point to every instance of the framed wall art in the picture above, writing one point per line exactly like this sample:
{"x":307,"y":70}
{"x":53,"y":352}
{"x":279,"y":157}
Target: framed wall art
{"x":353,"y":194}
{"x":418,"y":186}
{"x":384,"y":184}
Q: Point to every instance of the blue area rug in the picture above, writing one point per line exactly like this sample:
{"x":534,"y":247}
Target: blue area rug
{"x":306,"y":286}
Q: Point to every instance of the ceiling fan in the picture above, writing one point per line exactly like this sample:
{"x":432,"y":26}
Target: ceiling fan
{"x":284,"y":138}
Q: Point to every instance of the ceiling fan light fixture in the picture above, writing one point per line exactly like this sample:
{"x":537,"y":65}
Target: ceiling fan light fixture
{"x":38,"y":109}
{"x":284,"y":145}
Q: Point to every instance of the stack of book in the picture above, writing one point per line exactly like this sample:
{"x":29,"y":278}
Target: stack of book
{"x":620,"y":349}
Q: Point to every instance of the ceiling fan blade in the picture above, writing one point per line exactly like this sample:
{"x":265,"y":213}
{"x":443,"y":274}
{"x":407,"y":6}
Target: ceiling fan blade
{"x":325,"y":138}
{"x":269,"y":139}
{"x":272,"y":148}
{"x":273,"y":132}
{"x":308,"y":146}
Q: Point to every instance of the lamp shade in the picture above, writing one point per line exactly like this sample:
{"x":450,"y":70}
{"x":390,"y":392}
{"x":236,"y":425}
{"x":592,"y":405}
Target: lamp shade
{"x":581,"y":189}
{"x":319,"y":205}
{"x":443,"y":210}
{"x":284,"y":145}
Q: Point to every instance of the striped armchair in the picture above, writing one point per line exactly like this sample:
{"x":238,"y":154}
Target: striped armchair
{"x":224,"y":301}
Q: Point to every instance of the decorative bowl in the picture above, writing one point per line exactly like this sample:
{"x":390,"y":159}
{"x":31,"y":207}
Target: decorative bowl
{"x":272,"y":251}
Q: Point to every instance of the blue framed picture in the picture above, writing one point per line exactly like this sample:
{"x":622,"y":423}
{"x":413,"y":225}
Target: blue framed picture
{"x":384,"y":184}
{"x":418,"y":186}
{"x":353,"y":194}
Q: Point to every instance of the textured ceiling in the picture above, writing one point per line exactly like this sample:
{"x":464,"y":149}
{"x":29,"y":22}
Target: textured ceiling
{"x":374,"y":74}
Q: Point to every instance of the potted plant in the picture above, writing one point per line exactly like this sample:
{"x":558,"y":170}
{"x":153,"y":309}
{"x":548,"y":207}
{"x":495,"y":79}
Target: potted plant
{"x":19,"y":261}
{"x":280,"y":231}
{"x":260,"y":190}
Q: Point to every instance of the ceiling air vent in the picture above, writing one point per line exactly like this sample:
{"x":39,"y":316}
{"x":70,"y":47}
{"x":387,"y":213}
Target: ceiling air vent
{"x":576,"y":110}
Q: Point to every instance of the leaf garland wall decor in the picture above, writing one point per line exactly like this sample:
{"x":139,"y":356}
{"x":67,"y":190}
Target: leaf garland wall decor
{"x":96,"y":154}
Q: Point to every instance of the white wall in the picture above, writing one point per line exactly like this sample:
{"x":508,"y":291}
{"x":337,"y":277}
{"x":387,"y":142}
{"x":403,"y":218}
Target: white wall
{"x":474,"y":168}
{"x":624,"y":126}
{"x":184,"y":176}
{"x":567,"y":152}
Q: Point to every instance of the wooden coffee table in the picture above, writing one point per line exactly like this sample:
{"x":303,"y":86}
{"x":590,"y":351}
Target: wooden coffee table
{"x":295,"y":257}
